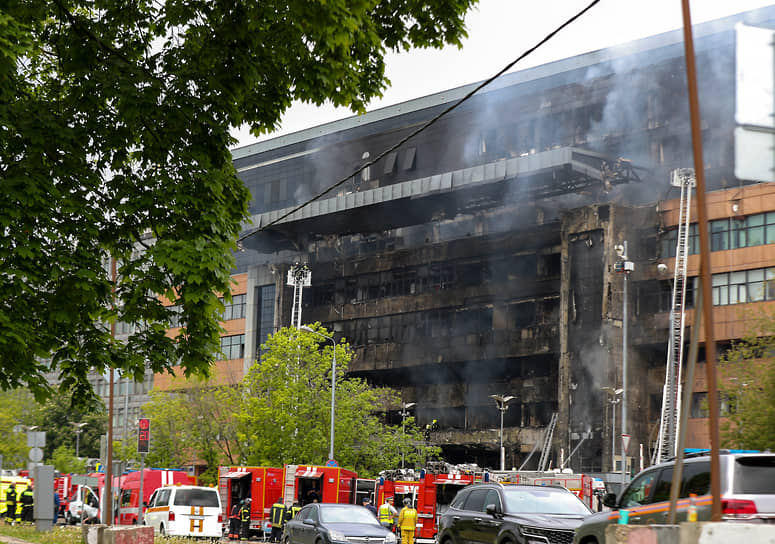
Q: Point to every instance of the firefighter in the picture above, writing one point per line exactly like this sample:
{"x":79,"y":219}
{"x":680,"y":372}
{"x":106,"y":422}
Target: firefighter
{"x":244,"y":517}
{"x":10,"y":505}
{"x":388,"y":514}
{"x":27,"y":499}
{"x":407,"y":522}
{"x":277,"y":516}
{"x":234,"y":520}
{"x":291,"y":512}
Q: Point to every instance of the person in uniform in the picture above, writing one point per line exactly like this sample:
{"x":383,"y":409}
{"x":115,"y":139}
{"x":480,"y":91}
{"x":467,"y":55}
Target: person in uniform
{"x":244,"y":517}
{"x":366,"y":503}
{"x":10,"y":505}
{"x":387,"y":514}
{"x":27,"y":499}
{"x":277,"y":517}
{"x":407,"y":522}
{"x":234,"y":520}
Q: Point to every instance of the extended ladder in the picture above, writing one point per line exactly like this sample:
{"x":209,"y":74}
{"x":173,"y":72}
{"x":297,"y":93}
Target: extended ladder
{"x":671,"y":394}
{"x":547,"y":446}
{"x":299,"y":276}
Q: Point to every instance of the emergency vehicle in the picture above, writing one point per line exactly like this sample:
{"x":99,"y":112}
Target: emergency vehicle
{"x":582,"y":485}
{"x":63,"y":486}
{"x":153,"y":478}
{"x":431,"y":490}
{"x":291,"y":484}
{"x":185,"y":510}
{"x":20,"y":484}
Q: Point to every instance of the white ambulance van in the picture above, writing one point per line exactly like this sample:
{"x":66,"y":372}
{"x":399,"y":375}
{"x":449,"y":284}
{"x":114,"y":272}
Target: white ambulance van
{"x":185,"y":510}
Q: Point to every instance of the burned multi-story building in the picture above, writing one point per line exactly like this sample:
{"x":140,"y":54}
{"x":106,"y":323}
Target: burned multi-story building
{"x":478,"y":257}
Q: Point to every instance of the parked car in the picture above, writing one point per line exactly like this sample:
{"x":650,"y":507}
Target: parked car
{"x":495,"y":513}
{"x":185,"y":510}
{"x":747,"y":494}
{"x":83,"y":505}
{"x":329,"y":523}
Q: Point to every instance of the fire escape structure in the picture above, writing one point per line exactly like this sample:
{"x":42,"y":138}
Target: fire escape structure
{"x":671,"y":396}
{"x":299,"y":276}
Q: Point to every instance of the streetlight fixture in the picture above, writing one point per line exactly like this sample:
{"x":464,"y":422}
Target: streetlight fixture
{"x":78,"y":430}
{"x":404,"y":412}
{"x":333,"y":387}
{"x":502,"y":401}
{"x":613,"y":399}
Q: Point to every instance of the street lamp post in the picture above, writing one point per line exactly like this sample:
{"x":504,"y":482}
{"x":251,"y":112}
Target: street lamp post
{"x":613,"y":400}
{"x":78,"y":430}
{"x":404,"y":412}
{"x":333,"y":387}
{"x":502,"y":401}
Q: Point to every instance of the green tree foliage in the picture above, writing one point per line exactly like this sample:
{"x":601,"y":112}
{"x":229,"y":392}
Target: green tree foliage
{"x":65,"y":461}
{"x":114,"y":136}
{"x":17,"y":407}
{"x":285,"y":410}
{"x":191,"y":425}
{"x":56,"y":417}
{"x":747,"y":372}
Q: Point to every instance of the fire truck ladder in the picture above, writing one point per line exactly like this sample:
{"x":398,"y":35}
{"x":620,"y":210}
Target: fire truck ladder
{"x":299,"y":276}
{"x":547,"y":446}
{"x":671,"y":395}
{"x":289,"y":486}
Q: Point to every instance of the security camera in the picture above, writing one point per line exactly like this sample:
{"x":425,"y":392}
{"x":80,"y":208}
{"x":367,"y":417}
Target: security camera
{"x":619,"y":248}
{"x":662,"y":268}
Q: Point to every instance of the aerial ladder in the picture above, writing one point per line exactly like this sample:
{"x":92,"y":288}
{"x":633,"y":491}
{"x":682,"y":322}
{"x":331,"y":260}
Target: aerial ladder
{"x":683,"y":178}
{"x":299,"y":276}
{"x":546,"y":450}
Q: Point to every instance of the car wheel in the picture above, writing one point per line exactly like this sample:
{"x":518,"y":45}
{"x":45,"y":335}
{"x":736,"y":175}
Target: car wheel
{"x":162,"y":532}
{"x":69,"y":518}
{"x":319,"y":541}
{"x":589,"y":540}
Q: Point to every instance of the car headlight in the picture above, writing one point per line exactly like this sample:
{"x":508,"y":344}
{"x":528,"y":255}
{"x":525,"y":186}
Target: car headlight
{"x":336,"y":536}
{"x":390,"y":539}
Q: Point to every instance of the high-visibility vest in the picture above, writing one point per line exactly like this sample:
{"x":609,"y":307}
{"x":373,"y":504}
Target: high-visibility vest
{"x":244,"y":513}
{"x":386,"y":514}
{"x":407,"y":519}
{"x":278,"y":514}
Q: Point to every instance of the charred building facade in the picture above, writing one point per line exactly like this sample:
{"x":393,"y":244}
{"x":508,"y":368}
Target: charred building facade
{"x":478,"y":258}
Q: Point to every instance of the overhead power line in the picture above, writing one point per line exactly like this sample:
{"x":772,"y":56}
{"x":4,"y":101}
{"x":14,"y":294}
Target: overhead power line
{"x":426,"y":125}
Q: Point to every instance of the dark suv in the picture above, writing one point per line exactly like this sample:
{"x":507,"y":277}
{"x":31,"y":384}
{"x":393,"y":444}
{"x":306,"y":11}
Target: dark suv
{"x":747,"y":494}
{"x":496,"y":513}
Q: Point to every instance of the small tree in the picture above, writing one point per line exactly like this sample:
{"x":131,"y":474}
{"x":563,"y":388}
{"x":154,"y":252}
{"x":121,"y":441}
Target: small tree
{"x":65,"y":461}
{"x":17,"y":406}
{"x":285,"y":410}
{"x":747,"y":372}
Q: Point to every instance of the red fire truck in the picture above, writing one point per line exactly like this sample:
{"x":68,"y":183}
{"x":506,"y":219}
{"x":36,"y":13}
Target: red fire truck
{"x":431,"y":491}
{"x":128,"y":490}
{"x":291,"y":484}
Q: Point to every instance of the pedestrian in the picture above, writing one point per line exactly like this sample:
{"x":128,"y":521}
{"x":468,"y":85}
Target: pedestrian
{"x":387,"y":514}
{"x":234,"y":520}
{"x":407,"y":522}
{"x":312,"y":496}
{"x":366,"y":503}
{"x":244,"y":516}
{"x":57,"y":504}
{"x":27,"y":499}
{"x":277,"y":517}
{"x":10,"y":505}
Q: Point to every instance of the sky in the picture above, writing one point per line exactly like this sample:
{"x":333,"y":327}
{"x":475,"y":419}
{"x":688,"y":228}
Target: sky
{"x":501,"y":30}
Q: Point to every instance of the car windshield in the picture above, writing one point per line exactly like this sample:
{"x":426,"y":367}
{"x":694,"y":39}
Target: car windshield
{"x":535,"y":500}
{"x":197,"y":497}
{"x":347,"y":514}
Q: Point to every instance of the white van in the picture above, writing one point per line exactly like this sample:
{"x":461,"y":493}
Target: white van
{"x":185,"y":510}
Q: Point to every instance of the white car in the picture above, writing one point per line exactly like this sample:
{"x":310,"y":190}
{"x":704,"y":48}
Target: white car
{"x":185,"y":510}
{"x":84,"y":506}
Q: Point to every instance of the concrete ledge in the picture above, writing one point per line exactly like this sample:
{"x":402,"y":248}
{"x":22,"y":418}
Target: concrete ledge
{"x":102,"y":534}
{"x":642,"y":534}
{"x":128,"y":535}
{"x":94,"y":534}
{"x":691,"y":533}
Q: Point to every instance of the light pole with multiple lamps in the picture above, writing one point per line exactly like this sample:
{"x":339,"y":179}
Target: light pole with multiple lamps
{"x":333,"y":387}
{"x":404,"y":412}
{"x":502,"y":401}
{"x":78,"y":430}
